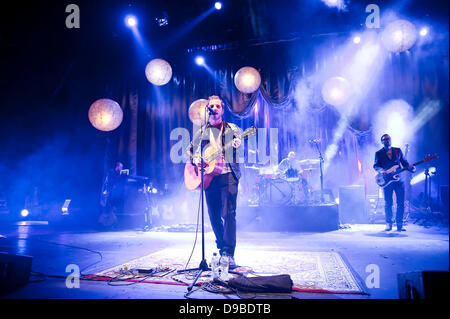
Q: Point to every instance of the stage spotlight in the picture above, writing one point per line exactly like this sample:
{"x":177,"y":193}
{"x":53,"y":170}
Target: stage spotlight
{"x":200,"y":60}
{"x":163,"y":20}
{"x":395,"y":118}
{"x":24,"y":212}
{"x":131,"y":21}
{"x":335,"y":3}
{"x":420,"y":177}
{"x":356,"y":39}
{"x":65,"y":207}
{"x":218,"y":5}
{"x":424,"y":31}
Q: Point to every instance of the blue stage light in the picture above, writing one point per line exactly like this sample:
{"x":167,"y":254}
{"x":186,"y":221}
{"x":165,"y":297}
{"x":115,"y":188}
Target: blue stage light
{"x":424,"y":31}
{"x":218,"y":5}
{"x":356,"y":39}
{"x":200,"y":60}
{"x":24,"y":212}
{"x":340,"y":4}
{"x":131,"y":21}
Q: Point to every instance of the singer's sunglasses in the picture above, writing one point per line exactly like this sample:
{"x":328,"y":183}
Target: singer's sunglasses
{"x":216,"y":105}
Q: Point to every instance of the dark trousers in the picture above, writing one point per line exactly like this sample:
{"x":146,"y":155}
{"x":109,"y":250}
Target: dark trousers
{"x":399,"y":189}
{"x":221,"y":198}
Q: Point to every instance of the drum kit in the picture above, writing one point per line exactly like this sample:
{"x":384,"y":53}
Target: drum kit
{"x":291,"y":187}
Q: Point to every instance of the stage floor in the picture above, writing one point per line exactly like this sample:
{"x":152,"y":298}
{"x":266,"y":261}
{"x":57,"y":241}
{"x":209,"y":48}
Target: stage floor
{"x":417,"y":249}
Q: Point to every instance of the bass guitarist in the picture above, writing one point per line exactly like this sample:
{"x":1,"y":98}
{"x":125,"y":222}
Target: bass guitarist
{"x":221,"y":195}
{"x":385,"y":158}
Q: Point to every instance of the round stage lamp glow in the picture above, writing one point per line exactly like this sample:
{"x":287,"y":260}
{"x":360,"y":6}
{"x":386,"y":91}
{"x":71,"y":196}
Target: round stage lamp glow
{"x":24,"y":212}
{"x":394,"y":118}
{"x":130,"y":21}
{"x":200,"y":60}
{"x":399,"y":36}
{"x":356,"y":39}
{"x":105,"y":115}
{"x":424,"y":31}
{"x":340,"y":4}
{"x":336,"y":91}
{"x":158,"y":72}
{"x":197,"y":111}
{"x":247,"y":79}
{"x":218,"y":5}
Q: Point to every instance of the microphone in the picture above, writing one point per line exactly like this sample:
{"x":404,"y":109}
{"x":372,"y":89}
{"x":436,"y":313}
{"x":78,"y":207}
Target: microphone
{"x":316,"y":140}
{"x":211,"y":111}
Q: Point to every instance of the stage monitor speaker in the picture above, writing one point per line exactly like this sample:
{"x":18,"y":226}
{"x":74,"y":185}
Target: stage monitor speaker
{"x":14,"y":271}
{"x":423,"y":285}
{"x":352,"y":205}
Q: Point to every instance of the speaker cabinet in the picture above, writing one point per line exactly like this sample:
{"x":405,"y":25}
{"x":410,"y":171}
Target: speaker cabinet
{"x":352,"y":205}
{"x":423,"y":285}
{"x":14,"y":271}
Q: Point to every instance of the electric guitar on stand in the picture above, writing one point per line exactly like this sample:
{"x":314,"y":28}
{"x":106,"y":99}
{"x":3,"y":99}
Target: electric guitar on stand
{"x":213,"y":163}
{"x":383,"y":179}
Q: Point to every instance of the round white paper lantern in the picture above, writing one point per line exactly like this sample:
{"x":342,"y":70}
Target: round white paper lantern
{"x":247,"y":79}
{"x":336,"y":91}
{"x":197,"y":112}
{"x":399,"y":36}
{"x":105,"y":115}
{"x":158,"y":72}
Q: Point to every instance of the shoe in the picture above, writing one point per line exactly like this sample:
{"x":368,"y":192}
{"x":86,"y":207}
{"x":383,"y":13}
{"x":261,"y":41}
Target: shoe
{"x":388,"y":227}
{"x":232,"y":263}
{"x":400,"y":229}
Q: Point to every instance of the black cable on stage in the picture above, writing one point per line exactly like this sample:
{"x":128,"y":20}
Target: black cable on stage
{"x":196,"y":231}
{"x":65,"y":245}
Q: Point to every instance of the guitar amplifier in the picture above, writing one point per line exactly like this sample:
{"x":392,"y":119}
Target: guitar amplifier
{"x":352,"y":205}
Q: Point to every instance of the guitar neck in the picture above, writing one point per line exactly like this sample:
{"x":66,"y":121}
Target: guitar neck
{"x":415,"y":164}
{"x":217,"y":153}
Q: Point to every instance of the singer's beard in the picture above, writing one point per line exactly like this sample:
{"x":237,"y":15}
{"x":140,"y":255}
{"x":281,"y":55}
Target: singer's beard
{"x":215,"y":119}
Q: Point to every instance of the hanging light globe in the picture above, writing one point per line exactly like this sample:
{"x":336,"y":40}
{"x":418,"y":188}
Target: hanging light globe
{"x":399,"y":36}
{"x":336,"y":91}
{"x":197,"y":112}
{"x":158,"y":72}
{"x":247,"y":79}
{"x":105,"y":115}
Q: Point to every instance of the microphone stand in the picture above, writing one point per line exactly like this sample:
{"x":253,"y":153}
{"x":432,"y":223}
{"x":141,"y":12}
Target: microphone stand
{"x":203,"y":264}
{"x":321,"y":172}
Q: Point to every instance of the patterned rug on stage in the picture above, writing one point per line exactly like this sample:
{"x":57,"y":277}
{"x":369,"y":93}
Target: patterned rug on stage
{"x":321,"y":272}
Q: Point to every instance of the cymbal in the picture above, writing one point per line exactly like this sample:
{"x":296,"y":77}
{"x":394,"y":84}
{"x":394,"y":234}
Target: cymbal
{"x":197,"y":111}
{"x":307,"y":162}
{"x":252,"y":167}
{"x":267,"y":171}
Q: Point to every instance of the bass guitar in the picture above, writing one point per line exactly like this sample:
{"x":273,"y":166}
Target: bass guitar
{"x":213,"y":164}
{"x":383,"y":179}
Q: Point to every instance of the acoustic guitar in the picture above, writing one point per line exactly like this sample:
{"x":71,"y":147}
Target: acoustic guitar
{"x":212,"y":163}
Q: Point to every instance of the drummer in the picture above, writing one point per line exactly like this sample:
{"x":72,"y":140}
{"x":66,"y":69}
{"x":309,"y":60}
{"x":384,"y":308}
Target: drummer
{"x":290,"y":166}
{"x":292,"y":171}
